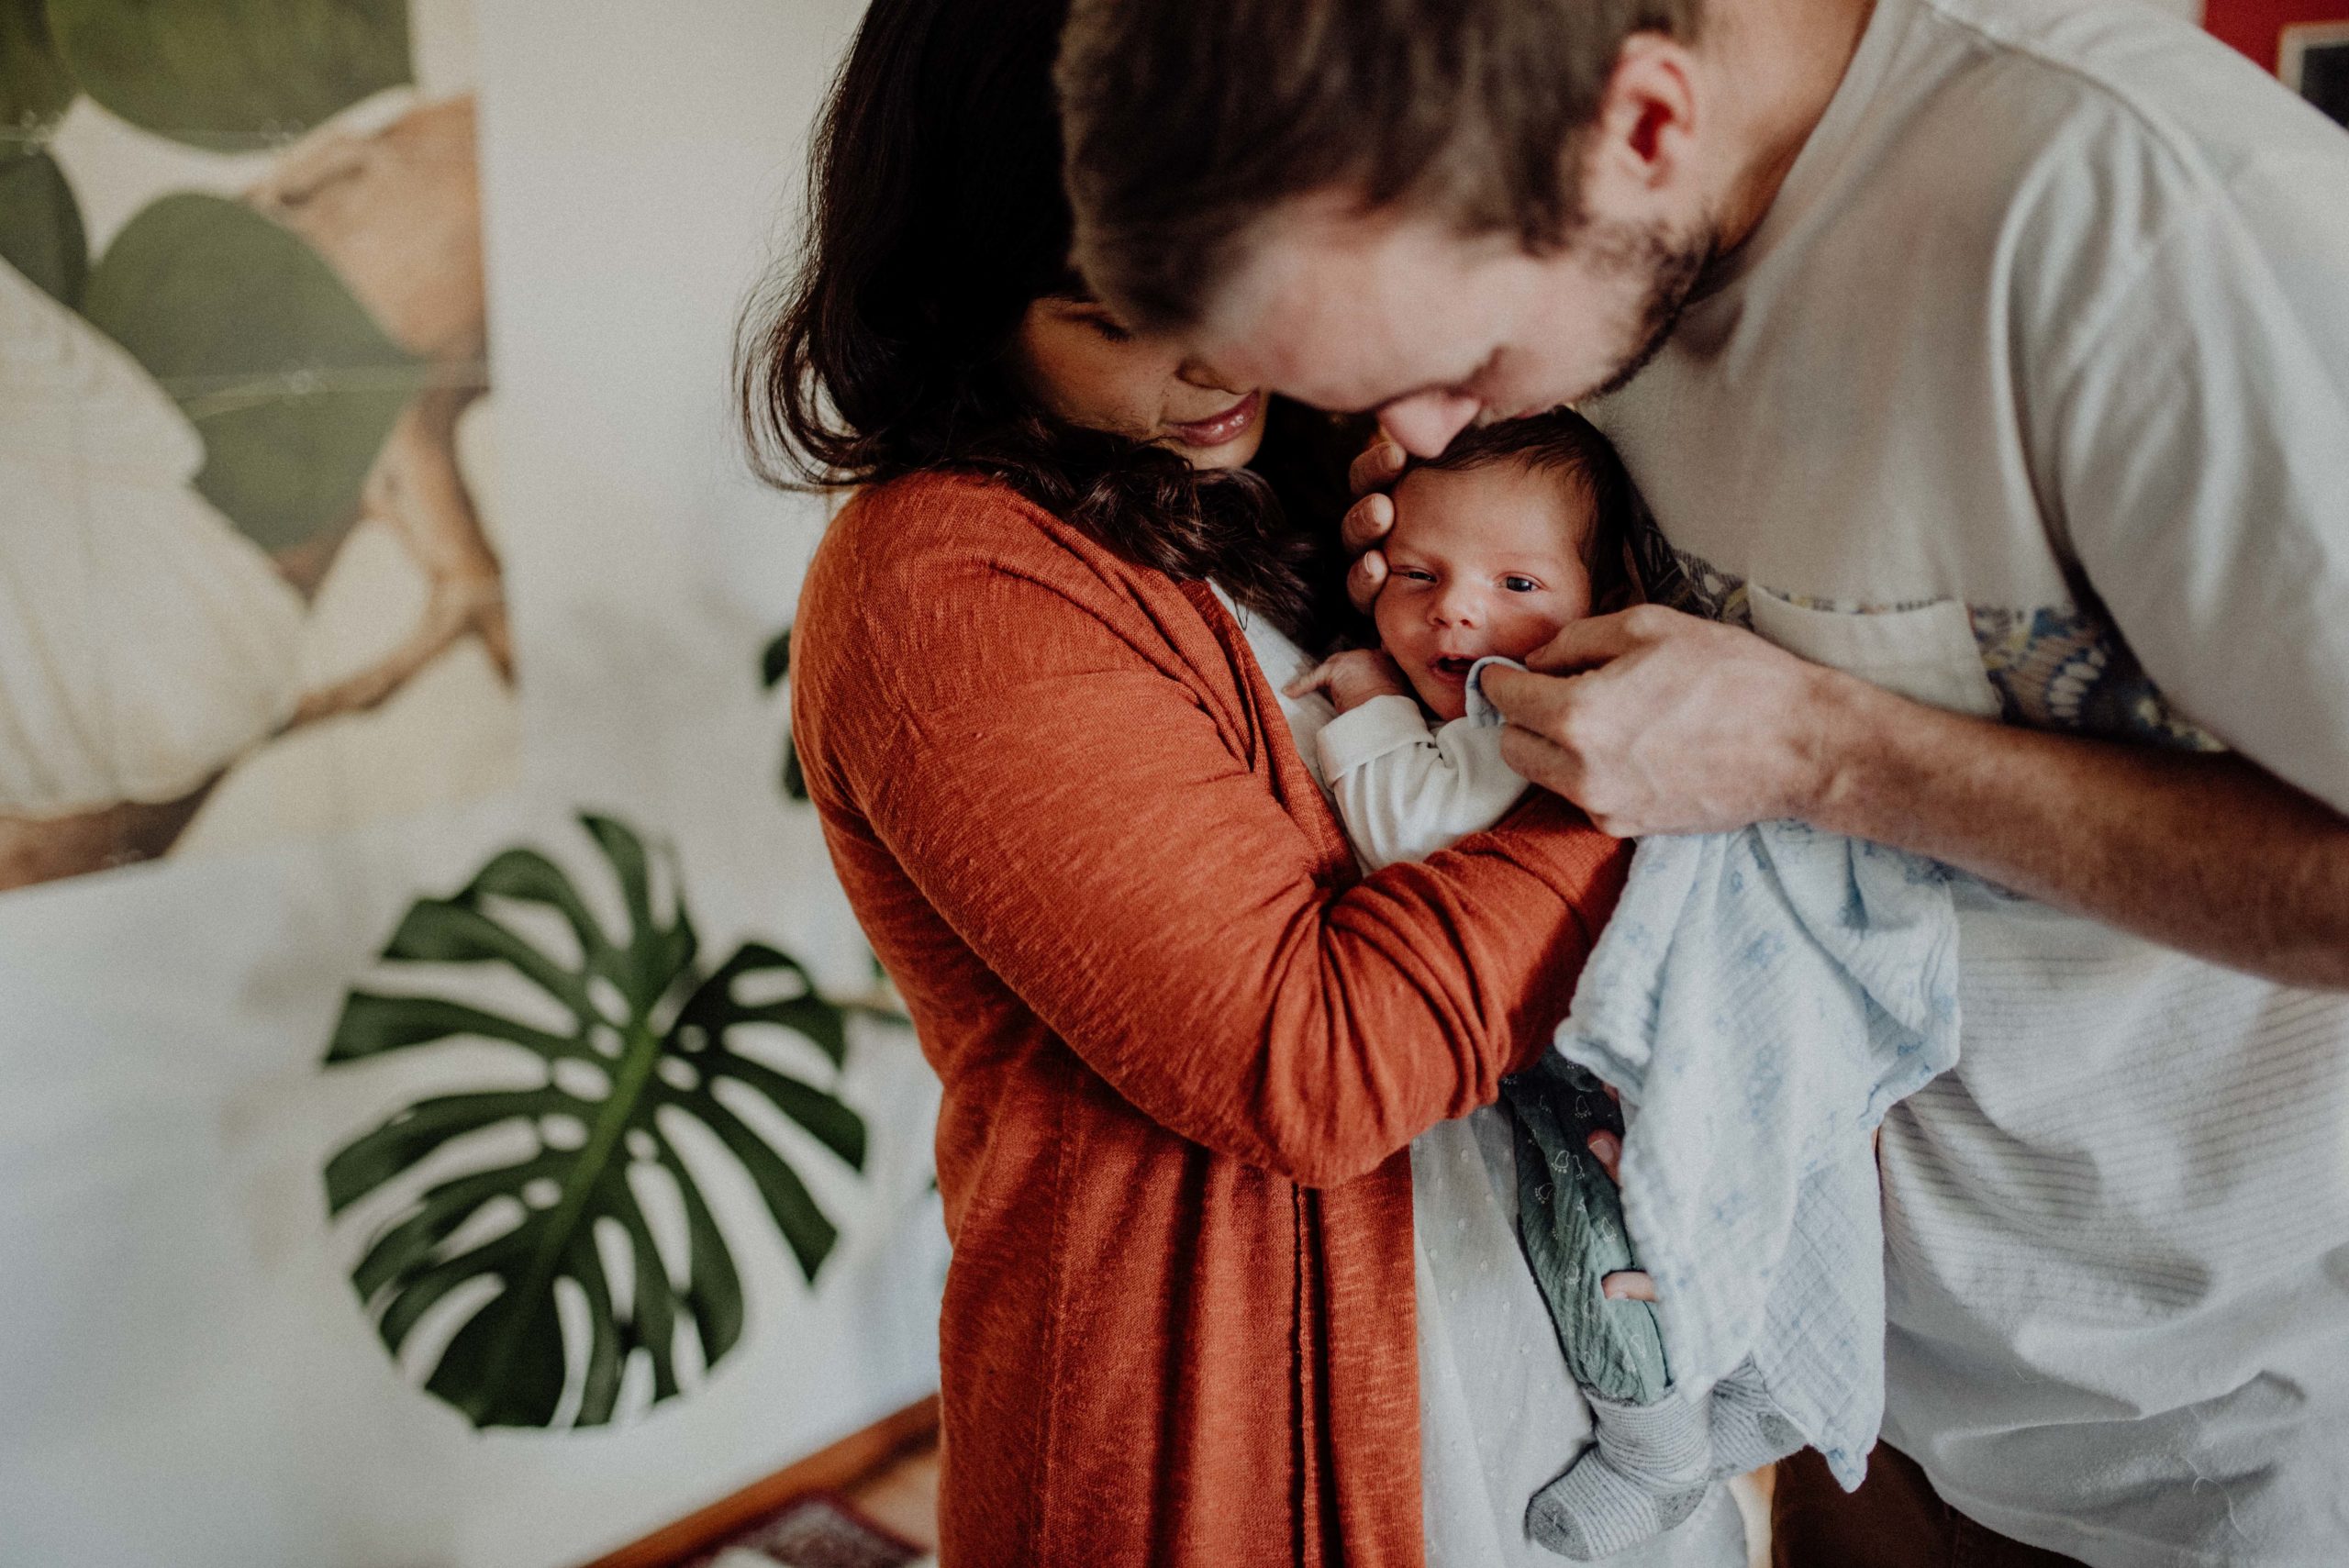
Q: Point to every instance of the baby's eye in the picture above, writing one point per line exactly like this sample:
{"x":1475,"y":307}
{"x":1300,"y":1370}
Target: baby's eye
{"x":1516,"y":585}
{"x":1413,"y":574}
{"x":1108,"y":328}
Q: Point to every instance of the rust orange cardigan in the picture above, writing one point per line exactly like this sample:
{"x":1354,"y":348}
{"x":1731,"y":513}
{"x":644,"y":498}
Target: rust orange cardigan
{"x":1185,"y":1045}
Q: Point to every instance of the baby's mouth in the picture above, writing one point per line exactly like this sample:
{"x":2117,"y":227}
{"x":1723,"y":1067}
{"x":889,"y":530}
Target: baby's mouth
{"x":1453,"y":666}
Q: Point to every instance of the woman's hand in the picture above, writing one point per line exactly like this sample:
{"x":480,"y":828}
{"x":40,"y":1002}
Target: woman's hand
{"x":1369,"y":518}
{"x":1351,"y":678}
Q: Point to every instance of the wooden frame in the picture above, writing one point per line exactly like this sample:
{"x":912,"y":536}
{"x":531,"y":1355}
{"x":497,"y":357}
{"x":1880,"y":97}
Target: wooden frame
{"x":835,"y":1469}
{"x":2292,"y":50}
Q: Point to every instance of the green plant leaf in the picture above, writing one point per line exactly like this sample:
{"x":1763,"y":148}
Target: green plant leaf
{"x":231,"y":74}
{"x":775,"y":660}
{"x":41,"y":225}
{"x":657,"y":1038}
{"x":36,"y":89}
{"x":289,"y":381}
{"x":775,"y":668}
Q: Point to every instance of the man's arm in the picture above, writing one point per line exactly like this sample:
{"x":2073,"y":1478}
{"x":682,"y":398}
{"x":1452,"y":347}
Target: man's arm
{"x":1679,"y":725}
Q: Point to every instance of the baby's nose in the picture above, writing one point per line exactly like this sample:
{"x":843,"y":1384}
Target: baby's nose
{"x":1455,"y":608}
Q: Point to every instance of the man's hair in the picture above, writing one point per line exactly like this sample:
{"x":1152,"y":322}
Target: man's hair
{"x":1184,"y":121}
{"x":1563,"y":443}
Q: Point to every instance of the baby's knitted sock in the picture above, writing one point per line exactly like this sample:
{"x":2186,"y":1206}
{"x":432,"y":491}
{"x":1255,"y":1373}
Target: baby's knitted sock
{"x":1749,"y":1429}
{"x":1647,"y":1472}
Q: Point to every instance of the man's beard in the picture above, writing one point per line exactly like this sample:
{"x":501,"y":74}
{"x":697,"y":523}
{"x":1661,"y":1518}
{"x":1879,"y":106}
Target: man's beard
{"x":1677,"y":272}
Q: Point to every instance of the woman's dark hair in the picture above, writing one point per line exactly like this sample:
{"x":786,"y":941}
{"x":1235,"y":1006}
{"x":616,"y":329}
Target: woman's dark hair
{"x":935,"y":217}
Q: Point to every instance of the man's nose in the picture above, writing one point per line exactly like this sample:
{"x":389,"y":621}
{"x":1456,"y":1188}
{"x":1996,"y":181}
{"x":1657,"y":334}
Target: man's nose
{"x":1424,"y":423}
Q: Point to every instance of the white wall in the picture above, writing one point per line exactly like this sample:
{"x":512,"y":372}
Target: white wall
{"x":185,"y":1377}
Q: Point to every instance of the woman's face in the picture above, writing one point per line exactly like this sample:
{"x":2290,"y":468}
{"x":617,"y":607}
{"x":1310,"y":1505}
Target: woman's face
{"x":1085,"y":368}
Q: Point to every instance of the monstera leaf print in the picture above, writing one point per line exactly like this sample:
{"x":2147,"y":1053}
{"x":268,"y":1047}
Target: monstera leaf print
{"x":650,"y":1039}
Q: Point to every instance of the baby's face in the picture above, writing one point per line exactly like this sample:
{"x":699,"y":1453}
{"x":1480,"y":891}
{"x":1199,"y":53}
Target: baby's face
{"x":1482,"y":560}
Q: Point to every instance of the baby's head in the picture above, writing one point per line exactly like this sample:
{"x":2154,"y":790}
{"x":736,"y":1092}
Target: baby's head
{"x":1516,"y":530}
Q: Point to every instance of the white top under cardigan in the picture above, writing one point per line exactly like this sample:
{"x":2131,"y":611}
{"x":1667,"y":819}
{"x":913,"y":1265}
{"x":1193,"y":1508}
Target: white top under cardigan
{"x":1498,"y":1415}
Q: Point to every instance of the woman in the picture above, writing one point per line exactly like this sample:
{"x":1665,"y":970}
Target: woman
{"x":1185,"y":1046}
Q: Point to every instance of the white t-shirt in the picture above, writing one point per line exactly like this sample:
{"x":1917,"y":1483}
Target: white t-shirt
{"x":1499,"y":1418}
{"x":2030,"y":398}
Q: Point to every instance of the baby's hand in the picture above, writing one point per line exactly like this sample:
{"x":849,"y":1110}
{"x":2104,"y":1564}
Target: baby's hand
{"x":1353,"y":678}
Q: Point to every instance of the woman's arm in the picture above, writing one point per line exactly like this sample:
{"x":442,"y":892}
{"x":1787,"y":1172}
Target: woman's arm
{"x":1026,"y":742}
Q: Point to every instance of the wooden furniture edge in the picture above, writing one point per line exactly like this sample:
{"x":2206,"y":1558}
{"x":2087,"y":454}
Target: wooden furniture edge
{"x":832,"y":1469}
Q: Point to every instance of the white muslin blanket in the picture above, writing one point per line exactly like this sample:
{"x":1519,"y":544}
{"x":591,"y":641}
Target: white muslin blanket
{"x":1759,"y":999}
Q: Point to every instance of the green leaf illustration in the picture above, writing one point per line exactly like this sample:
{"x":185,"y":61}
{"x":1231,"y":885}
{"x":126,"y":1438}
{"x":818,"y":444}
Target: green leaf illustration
{"x":231,"y":74}
{"x":35,"y":87}
{"x":775,"y":668}
{"x":288,"y":379}
{"x":648,"y":1033}
{"x":40,"y":225}
{"x":774,"y":659}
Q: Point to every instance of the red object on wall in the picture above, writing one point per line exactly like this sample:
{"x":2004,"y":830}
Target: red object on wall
{"x":2256,"y":27}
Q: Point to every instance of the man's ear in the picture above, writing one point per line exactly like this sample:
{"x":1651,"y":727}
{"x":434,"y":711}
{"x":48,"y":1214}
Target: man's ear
{"x":1643,"y":140}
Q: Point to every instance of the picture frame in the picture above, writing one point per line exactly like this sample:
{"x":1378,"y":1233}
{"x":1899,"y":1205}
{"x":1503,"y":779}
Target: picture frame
{"x":2312,"y":59}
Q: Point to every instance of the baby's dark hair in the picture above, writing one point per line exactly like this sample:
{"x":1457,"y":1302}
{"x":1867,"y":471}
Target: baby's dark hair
{"x":1562,"y":442}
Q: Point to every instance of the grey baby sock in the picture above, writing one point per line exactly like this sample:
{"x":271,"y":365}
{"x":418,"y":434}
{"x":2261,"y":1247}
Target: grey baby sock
{"x":1749,"y":1429}
{"x":1648,"y":1470}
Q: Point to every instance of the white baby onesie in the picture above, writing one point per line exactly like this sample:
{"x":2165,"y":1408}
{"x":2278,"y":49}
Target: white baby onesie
{"x":1405,"y":791}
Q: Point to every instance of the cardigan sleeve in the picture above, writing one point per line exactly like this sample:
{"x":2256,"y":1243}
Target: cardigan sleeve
{"x":1070,"y":803}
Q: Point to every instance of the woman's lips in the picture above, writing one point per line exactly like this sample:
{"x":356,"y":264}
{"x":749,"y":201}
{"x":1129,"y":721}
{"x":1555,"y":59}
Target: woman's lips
{"x":1220,"y":430}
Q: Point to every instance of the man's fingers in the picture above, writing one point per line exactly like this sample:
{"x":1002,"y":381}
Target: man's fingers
{"x":1528,"y":701}
{"x":1377,"y":465}
{"x":1542,"y":762}
{"x":1366,"y":522}
{"x":1364,"y":578}
{"x":1587,"y":644}
{"x":1627,"y":1284}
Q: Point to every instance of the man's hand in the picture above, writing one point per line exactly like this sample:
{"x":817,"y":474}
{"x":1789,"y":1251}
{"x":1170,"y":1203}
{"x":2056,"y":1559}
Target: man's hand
{"x":1658,"y":722}
{"x":1368,"y":519}
{"x":1353,"y":678}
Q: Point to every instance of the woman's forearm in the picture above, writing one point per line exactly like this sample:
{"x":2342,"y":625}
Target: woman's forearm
{"x":2204,"y":853}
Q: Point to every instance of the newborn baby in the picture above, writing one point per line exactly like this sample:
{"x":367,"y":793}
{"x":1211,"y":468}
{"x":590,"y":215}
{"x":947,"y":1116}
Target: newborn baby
{"x":1517,"y":530}
{"x":1514,"y":531}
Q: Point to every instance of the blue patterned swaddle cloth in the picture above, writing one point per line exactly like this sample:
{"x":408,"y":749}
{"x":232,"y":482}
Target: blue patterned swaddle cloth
{"x":1759,"y":999}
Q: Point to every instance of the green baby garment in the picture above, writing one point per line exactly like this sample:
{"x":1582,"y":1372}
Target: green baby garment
{"x":1570,"y":1222}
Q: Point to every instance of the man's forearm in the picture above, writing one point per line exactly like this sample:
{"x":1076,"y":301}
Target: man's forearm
{"x":2207,"y":854}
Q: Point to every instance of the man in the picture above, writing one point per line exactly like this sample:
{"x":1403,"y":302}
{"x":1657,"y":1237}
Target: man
{"x":1992,"y":356}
